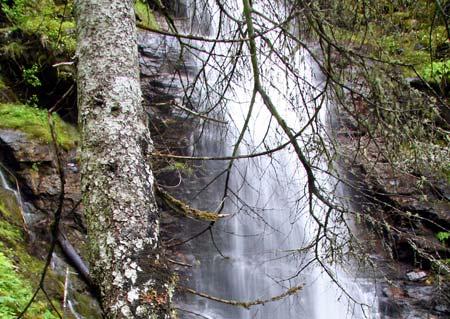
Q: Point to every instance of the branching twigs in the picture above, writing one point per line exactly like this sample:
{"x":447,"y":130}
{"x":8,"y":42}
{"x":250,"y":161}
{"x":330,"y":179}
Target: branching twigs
{"x":273,"y":110}
{"x":200,"y":115}
{"x":245,"y":304}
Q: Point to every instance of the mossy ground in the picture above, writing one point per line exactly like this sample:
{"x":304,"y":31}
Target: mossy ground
{"x":409,"y":33}
{"x":53,"y":24}
{"x":19,"y":270}
{"x":34,"y":122}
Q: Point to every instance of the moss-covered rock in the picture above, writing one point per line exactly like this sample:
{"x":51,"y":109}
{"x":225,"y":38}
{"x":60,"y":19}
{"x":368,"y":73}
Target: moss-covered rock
{"x":35,"y":123}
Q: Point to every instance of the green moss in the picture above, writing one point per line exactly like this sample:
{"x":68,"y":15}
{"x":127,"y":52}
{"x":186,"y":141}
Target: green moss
{"x":34,"y":122}
{"x":15,"y":293}
{"x":19,"y":271}
{"x":145,"y":14}
{"x":9,"y":233}
{"x":395,"y":33}
{"x":436,"y":71}
{"x":54,"y":24}
{"x":9,"y":207}
{"x":178,"y":167}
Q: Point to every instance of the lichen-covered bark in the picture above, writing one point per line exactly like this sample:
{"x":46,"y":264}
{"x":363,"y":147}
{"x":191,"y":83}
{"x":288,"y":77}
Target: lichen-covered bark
{"x":117,"y":181}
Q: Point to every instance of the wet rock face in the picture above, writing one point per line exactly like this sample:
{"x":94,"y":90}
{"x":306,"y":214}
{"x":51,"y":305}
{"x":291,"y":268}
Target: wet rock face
{"x":165,"y":73}
{"x":36,"y":170}
{"x":406,"y":211}
{"x":412,"y":300}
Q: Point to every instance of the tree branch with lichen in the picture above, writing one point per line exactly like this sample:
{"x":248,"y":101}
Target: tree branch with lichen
{"x":183,"y":209}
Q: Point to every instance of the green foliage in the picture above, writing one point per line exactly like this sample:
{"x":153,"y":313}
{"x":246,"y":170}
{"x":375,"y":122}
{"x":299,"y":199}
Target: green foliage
{"x":34,"y":122}
{"x":403,"y":32}
{"x":145,"y":14}
{"x":19,"y":271}
{"x":30,"y":76}
{"x":436,"y":71}
{"x":443,"y":236}
{"x":53,"y":24}
{"x":15,"y":293}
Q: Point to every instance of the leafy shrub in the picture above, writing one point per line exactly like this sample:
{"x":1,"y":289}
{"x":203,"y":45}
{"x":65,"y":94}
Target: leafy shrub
{"x":436,"y":71}
{"x":443,"y":236}
{"x":31,"y":76}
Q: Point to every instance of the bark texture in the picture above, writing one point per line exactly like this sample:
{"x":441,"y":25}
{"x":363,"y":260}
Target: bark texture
{"x":117,"y":181}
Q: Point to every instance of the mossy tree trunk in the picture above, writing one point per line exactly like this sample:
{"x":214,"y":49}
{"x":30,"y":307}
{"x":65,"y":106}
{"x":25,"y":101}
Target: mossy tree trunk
{"x":117,"y":181}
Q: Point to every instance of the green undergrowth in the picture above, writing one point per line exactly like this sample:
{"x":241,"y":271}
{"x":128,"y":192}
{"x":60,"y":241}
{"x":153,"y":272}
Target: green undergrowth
{"x":145,"y":15}
{"x":34,"y":122}
{"x":410,"y":32}
{"x":35,"y":35}
{"x":436,"y":71}
{"x":15,"y":293}
{"x":52,"y":23}
{"x":19,"y":270}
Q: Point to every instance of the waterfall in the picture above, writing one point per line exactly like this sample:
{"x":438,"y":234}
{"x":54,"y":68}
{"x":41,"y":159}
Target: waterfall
{"x":260,"y":251}
{"x":28,"y":218}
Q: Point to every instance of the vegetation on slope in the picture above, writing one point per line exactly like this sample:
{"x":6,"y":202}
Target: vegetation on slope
{"x":381,"y":45}
{"x":18,"y":269}
{"x":393,"y":58}
{"x":37,"y":73}
{"x":34,"y":122}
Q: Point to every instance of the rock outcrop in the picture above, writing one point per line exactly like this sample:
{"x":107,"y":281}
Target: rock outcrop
{"x":403,"y":213}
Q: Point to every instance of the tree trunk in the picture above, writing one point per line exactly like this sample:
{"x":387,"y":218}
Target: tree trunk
{"x":117,"y":181}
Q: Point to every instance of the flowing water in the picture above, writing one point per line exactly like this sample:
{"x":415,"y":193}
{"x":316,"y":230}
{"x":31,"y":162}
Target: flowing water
{"x":261,"y":250}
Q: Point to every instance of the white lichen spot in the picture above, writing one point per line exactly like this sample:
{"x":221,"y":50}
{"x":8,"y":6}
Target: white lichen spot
{"x":126,"y":311}
{"x":118,"y":279}
{"x":141,"y":311}
{"x":131,"y":274}
{"x":109,"y":239}
{"x":118,"y":305}
{"x":170,"y":290}
{"x":150,"y":283}
{"x":133,"y":295}
{"x":139,"y":243}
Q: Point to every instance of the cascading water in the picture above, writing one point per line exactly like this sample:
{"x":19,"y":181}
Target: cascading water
{"x":4,"y":184}
{"x":265,"y":247}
